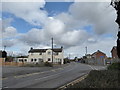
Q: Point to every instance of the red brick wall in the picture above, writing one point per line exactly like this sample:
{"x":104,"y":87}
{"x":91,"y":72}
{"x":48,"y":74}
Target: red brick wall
{"x":100,"y":55}
{"x":114,"y":53}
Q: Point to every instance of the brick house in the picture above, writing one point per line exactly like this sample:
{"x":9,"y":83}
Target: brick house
{"x":98,"y":54}
{"x":114,"y":52}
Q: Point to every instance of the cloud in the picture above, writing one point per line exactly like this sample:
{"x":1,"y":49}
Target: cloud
{"x":30,"y":12}
{"x":105,"y":45}
{"x":9,"y":43}
{"x":32,"y":37}
{"x":67,"y":28}
{"x":54,"y":28}
{"x":9,"y":32}
{"x":73,"y":38}
{"x":100,"y":15}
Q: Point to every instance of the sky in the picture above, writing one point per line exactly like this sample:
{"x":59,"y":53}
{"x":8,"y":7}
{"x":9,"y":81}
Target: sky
{"x":73,"y":25}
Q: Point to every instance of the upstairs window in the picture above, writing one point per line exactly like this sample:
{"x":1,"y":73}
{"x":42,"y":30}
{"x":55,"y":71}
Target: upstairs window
{"x":49,"y":53}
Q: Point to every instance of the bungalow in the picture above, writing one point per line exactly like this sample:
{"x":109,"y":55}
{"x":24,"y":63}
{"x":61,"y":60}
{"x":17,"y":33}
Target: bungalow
{"x":22,"y":59}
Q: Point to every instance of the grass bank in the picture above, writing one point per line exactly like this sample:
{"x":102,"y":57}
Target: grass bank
{"x":101,"y":79}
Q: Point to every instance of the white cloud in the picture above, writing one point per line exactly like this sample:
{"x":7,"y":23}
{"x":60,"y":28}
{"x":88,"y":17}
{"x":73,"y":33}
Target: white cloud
{"x":100,"y":15}
{"x":9,"y":32}
{"x":33,"y":37}
{"x":54,"y":28}
{"x":105,"y":45}
{"x":29,"y":11}
{"x":73,"y":38}
{"x":65,"y":28}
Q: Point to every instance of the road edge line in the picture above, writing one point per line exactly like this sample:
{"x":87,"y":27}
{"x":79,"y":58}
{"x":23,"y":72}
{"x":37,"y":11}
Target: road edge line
{"x":73,"y":82}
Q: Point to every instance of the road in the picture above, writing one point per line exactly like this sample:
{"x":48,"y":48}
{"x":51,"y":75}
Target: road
{"x":52,"y":78}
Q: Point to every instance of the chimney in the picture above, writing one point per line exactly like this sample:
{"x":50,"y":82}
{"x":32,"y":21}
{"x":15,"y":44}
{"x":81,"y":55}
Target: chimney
{"x":61,"y":47}
{"x":31,"y":48}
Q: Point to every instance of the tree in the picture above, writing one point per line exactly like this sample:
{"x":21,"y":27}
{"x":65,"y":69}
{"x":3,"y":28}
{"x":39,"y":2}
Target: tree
{"x":116,"y":5}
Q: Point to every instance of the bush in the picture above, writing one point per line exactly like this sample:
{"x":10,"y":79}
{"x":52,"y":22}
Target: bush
{"x":48,"y":64}
{"x":66,"y":60}
{"x":114,"y":66}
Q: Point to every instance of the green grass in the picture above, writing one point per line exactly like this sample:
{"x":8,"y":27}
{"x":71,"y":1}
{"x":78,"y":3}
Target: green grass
{"x":100,"y":79}
{"x":114,"y":66}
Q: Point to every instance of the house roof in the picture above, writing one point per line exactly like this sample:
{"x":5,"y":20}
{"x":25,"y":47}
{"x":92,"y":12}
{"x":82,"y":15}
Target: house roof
{"x":98,"y":52}
{"x":44,"y":50}
{"x":22,"y":57}
{"x":115,"y":47}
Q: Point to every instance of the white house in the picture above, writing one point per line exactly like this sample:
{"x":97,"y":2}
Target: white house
{"x":22,"y":59}
{"x":45,"y":55}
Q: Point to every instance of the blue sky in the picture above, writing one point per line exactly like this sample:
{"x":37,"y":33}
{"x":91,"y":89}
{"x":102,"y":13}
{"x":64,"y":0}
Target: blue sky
{"x":53,"y":8}
{"x":70,"y":23}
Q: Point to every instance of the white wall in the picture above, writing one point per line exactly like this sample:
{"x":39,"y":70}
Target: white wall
{"x":45,"y":56}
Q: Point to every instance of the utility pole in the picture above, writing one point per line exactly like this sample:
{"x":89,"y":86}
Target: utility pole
{"x":52,"y":50}
{"x":69,"y":56}
{"x":86,"y":50}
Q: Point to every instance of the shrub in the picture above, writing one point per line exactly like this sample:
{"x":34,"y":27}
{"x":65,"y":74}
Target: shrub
{"x":114,"y":66}
{"x":48,"y":64}
{"x":66,"y":60}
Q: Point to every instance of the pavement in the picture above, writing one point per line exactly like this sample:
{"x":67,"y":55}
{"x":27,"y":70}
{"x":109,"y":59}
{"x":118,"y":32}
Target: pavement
{"x":46,"y":77}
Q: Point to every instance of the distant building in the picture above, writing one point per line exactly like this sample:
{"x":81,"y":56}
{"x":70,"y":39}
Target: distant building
{"x":114,"y":52}
{"x":88,"y":56}
{"x":99,"y":55}
{"x":22,"y":59}
{"x":43,"y":55}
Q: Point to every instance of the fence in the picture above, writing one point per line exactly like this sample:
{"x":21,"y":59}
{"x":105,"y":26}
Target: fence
{"x":100,"y":61}
{"x":2,"y":63}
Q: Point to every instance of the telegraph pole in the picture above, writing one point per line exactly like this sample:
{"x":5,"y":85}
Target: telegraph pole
{"x":52,"y":50}
{"x":86,"y":50}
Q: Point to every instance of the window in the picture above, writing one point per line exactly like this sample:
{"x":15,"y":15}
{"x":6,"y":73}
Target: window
{"x":49,"y":53}
{"x":56,"y":53}
{"x":20,"y":60}
{"x":40,"y":60}
{"x":35,"y":60}
{"x":31,"y":60}
{"x":49,"y":59}
{"x":40,"y":53}
{"x":25,"y":60}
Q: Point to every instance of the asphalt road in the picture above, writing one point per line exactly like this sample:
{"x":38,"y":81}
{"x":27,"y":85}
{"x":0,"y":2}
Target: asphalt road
{"x":51,"y":78}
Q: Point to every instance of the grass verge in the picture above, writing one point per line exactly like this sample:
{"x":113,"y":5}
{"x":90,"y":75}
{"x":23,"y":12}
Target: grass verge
{"x":100,"y":79}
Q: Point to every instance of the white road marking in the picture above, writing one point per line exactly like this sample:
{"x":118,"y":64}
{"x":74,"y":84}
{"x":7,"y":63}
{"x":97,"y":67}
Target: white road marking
{"x":91,"y":67}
